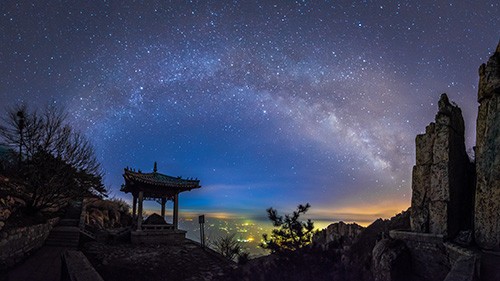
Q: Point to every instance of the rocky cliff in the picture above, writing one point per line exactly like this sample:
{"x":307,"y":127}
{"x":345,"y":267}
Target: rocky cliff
{"x":337,"y":235}
{"x":442,"y":181}
{"x":487,"y":206}
{"x":106,"y":214}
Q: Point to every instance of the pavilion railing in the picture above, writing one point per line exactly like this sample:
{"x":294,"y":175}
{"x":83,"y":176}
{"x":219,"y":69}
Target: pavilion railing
{"x":157,"y":227}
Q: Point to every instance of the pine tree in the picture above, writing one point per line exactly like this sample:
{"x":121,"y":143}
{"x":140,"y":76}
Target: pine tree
{"x":292,"y":234}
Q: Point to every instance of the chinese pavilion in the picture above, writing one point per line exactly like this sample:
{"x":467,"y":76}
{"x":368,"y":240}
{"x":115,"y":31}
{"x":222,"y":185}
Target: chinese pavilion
{"x":160,"y":188}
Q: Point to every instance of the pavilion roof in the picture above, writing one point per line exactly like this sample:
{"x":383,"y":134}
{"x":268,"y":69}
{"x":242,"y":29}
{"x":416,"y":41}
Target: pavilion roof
{"x":157,"y":182}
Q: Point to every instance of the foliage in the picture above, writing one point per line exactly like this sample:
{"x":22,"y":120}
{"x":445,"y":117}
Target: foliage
{"x":229,"y":247}
{"x":292,"y":233}
{"x":57,"y":163}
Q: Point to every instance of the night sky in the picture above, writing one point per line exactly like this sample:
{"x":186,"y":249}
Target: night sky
{"x":268,"y":103}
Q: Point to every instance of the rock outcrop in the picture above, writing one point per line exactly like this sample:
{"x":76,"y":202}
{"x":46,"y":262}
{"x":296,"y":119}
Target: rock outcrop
{"x":106,"y":214}
{"x":337,"y":235}
{"x":487,"y":206}
{"x":442,"y":182}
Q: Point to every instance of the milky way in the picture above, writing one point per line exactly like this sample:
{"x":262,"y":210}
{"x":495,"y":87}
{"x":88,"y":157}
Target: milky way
{"x":269,"y":103}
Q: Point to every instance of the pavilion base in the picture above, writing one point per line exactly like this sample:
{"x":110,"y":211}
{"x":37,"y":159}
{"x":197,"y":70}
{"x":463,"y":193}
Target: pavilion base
{"x":158,"y":237}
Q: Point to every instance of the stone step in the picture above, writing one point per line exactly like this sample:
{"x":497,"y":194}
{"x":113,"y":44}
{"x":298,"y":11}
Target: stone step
{"x":62,"y":244}
{"x":64,"y":232}
{"x":64,"y":236}
{"x":62,"y":241}
{"x":69,"y":222}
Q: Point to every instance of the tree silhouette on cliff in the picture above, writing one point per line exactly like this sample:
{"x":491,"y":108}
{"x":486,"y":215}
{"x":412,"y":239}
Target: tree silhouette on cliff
{"x":292,"y":234}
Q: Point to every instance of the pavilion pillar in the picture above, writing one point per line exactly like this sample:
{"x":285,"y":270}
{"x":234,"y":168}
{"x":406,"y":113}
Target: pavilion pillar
{"x":163,"y":202}
{"x":139,"y":213}
{"x":134,"y":207}
{"x":176,"y":211}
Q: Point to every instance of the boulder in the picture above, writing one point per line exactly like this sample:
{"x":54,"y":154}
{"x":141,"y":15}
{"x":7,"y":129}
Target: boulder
{"x":155,"y":219}
{"x":95,"y":218}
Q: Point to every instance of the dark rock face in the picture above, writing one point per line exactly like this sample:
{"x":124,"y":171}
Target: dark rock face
{"x":106,"y":214}
{"x":390,"y":260}
{"x":487,"y":213}
{"x":302,"y":264}
{"x":358,"y":260}
{"x":442,"y":186}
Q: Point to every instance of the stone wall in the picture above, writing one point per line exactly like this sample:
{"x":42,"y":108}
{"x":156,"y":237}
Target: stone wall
{"x":432,"y":259}
{"x":18,"y":243}
{"x":429,"y":259}
{"x":76,"y":267}
{"x":487,"y":214}
{"x":442,"y":182}
{"x":465,"y":263}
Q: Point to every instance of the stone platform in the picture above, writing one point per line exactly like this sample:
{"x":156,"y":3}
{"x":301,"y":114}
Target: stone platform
{"x":185,"y":260}
{"x":435,"y":259}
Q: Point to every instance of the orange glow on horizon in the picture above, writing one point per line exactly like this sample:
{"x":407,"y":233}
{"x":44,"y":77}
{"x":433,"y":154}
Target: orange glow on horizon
{"x":362,"y":214}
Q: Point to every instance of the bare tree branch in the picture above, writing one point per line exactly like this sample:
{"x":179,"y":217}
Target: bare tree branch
{"x":58,"y":163}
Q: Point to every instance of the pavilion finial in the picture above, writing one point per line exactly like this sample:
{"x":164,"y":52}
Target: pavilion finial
{"x":155,"y":168}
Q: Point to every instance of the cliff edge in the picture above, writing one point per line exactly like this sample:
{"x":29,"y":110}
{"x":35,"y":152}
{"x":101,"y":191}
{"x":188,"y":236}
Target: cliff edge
{"x":487,"y":206}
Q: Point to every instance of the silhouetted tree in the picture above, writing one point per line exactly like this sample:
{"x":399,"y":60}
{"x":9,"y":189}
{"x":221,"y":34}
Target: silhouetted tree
{"x":292,"y":233}
{"x":57,"y":163}
{"x":227,"y":246}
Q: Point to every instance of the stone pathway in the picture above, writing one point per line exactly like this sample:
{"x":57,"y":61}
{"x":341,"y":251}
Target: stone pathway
{"x":64,"y":236}
{"x":43,"y":265}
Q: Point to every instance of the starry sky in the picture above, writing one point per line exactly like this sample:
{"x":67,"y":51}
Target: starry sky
{"x":268,"y":103}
